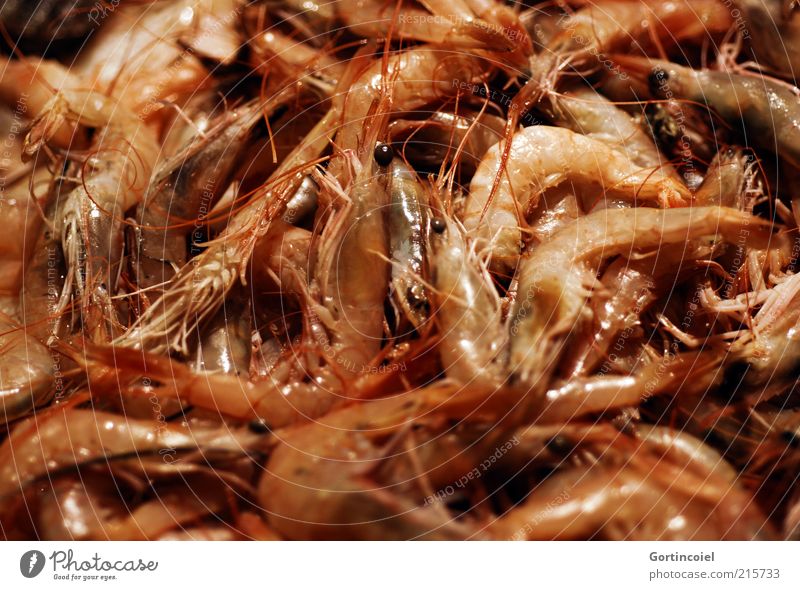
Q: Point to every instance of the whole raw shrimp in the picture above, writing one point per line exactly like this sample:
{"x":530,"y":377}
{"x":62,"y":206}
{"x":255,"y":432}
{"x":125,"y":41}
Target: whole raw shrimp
{"x":183,"y":191}
{"x":597,"y":29}
{"x":541,"y":158}
{"x":110,"y":179}
{"x":91,"y":217}
{"x":226,"y":343}
{"x":415,"y":78}
{"x":90,"y":507}
{"x":768,"y":110}
{"x":558,"y":276}
{"x":30,"y":376}
{"x":588,"y":36}
{"x":446,"y":138}
{"x":768,"y":351}
{"x":585,"y":111}
{"x":468,"y":310}
{"x":629,"y":287}
{"x":152,"y":54}
{"x":408,"y":214}
{"x":19,"y":204}
{"x":472,"y":24}
{"x":63,"y":438}
{"x":666,"y":486}
{"x":326,"y":481}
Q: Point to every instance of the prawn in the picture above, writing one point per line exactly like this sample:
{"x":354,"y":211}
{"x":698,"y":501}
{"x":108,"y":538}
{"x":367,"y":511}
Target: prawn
{"x":322,"y":482}
{"x":454,"y":24}
{"x":663,"y":487}
{"x":90,"y":508}
{"x":557,"y":277}
{"x":767,"y":110}
{"x":408,"y":213}
{"x":90,"y":219}
{"x":542,"y":158}
{"x":468,"y":310}
{"x":430,"y":143}
{"x":585,"y":111}
{"x":418,"y":77}
{"x":28,"y":376}
{"x":64,"y":437}
{"x":184,"y":189}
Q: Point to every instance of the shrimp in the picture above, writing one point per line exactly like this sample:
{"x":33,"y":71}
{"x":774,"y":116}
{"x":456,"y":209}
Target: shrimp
{"x":89,"y":508}
{"x":728,"y":181}
{"x":140,"y":55}
{"x":430,"y":143}
{"x":418,"y":77}
{"x":589,"y":113}
{"x":287,"y":395}
{"x":665,"y":487}
{"x":64,"y":437}
{"x":43,"y":298}
{"x":475,"y":343}
{"x":468,"y":311}
{"x":556,"y":279}
{"x":407,"y":228}
{"x":681,"y":446}
{"x":678,"y":375}
{"x":767,"y":22}
{"x":413,"y":79}
{"x":629,"y":286}
{"x":452,"y":24}
{"x":28,"y":374}
{"x":112,"y":178}
{"x":322,"y":482}
{"x":91,"y":217}
{"x":184,"y":189}
{"x":771,"y":350}
{"x":627,"y":291}
{"x":591,"y":33}
{"x":597,"y":29}
{"x":355,"y":238}
{"x":32,"y":87}
{"x":225,"y":344}
{"x":282,"y":258}
{"x":304,"y":202}
{"x":339,"y":478}
{"x":198,"y":288}
{"x":20,"y":218}
{"x":542,"y":158}
{"x":767,"y":111}
{"x":273,"y":51}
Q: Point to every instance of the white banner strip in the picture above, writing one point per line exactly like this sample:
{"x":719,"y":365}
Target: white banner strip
{"x":400,"y":566}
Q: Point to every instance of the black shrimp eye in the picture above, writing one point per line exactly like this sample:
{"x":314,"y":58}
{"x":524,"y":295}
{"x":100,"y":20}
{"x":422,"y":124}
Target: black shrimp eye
{"x":559,"y":444}
{"x":657,"y":80}
{"x":259,"y":426}
{"x":791,"y":438}
{"x":438,"y":225}
{"x":383,"y":154}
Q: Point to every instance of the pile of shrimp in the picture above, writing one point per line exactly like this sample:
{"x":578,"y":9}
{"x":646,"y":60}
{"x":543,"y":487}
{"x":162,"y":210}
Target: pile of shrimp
{"x":400,"y":270}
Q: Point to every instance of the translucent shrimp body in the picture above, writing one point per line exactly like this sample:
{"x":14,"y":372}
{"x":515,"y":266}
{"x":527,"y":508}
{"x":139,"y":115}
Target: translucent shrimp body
{"x":469,"y":313}
{"x":767,"y":109}
{"x":542,"y":158}
{"x":558,"y":276}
